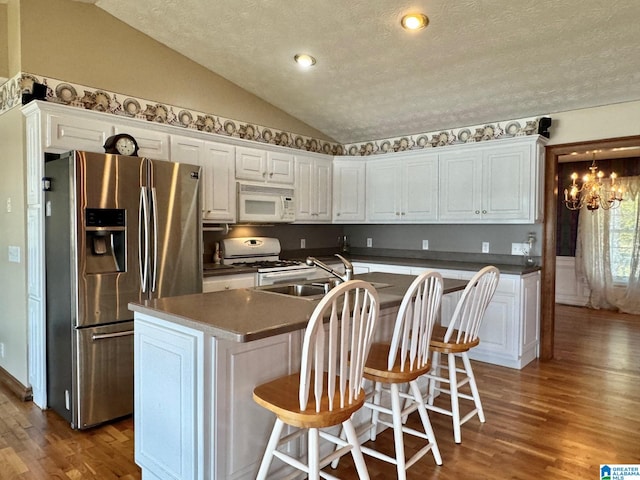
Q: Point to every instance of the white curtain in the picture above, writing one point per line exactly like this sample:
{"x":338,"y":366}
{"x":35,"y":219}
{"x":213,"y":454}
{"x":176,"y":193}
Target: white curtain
{"x":593,"y":254}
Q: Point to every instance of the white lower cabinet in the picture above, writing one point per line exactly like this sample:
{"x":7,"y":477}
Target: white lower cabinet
{"x":365,"y":267}
{"x":509,"y":335}
{"x":169,"y":377}
{"x":228,"y":282}
{"x":215,"y":430}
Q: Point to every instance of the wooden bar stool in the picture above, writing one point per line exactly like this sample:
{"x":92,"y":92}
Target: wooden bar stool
{"x":392,"y":366}
{"x":402,"y":362}
{"x":455,"y":341}
{"x":328,"y":390}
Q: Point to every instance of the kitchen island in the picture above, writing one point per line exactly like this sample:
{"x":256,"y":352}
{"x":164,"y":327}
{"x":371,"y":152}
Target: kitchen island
{"x":197,"y":359}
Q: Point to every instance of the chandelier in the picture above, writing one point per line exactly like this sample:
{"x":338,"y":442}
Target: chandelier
{"x":592,"y":192}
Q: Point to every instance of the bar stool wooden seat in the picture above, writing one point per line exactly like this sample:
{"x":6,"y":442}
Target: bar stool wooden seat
{"x":454,"y":341}
{"x":328,"y":389}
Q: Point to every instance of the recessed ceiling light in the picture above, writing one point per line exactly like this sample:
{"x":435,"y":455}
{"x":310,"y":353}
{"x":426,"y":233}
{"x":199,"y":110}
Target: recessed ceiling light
{"x":414,"y":21}
{"x":305,"y":60}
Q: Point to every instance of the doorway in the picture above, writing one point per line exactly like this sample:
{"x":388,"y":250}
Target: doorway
{"x":548,"y":287}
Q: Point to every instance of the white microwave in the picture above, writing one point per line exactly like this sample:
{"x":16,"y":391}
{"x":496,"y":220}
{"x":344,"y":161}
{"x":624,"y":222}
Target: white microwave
{"x":265,"y":203}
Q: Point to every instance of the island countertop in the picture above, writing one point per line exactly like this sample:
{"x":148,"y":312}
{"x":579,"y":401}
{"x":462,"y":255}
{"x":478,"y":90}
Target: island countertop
{"x":248,"y":314}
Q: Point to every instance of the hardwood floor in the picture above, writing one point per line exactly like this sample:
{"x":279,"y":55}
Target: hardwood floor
{"x":559,"y":419}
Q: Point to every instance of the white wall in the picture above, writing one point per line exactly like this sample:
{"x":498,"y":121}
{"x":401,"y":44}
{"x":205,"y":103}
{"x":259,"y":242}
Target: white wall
{"x":610,"y":121}
{"x":13,"y":276}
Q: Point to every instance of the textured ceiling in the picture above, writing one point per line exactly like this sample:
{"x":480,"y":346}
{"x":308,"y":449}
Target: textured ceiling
{"x":479,"y":61}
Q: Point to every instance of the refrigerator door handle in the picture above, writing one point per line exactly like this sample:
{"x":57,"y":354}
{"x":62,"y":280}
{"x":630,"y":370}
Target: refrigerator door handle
{"x":154,"y":204}
{"x":104,"y":336}
{"x":143,"y":221}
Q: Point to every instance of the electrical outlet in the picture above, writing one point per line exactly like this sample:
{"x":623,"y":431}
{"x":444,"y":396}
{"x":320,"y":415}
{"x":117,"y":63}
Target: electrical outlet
{"x":303,"y":243}
{"x":425,"y":244}
{"x":14,"y":254}
{"x":519,"y":249}
{"x":485,"y":247}
{"x":369,"y":242}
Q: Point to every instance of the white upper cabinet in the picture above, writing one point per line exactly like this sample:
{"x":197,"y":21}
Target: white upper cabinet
{"x":65,"y":132}
{"x":151,"y":143}
{"x":313,"y":186}
{"x":217,"y":175}
{"x":403,"y":189}
{"x":264,"y":165}
{"x":348,"y":191}
{"x":497,"y":183}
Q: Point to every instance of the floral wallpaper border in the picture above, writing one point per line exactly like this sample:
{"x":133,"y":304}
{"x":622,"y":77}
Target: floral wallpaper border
{"x":90,"y":98}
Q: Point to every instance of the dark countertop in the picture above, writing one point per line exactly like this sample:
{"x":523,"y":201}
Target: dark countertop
{"x":471,"y":263}
{"x":248,"y":314}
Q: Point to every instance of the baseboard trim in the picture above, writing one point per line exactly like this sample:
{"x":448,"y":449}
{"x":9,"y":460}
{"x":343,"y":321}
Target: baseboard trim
{"x":18,"y":389}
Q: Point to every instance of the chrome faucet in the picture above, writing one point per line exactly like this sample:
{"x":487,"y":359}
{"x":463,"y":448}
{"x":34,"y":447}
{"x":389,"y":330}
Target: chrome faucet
{"x":348,"y":268}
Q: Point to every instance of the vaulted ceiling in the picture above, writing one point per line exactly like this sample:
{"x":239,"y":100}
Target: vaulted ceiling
{"x":478,"y":61}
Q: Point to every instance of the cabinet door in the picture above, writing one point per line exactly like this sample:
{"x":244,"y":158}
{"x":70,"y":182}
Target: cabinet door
{"x":279,"y":168}
{"x":383,"y":191}
{"x":228,"y":282}
{"x":304,"y":183}
{"x":219,"y":192}
{"x":530,"y":306}
{"x":251,"y":164}
{"x":420,"y":189}
{"x":348,"y":191}
{"x":168,"y":377}
{"x":507,"y":184}
{"x":66,"y":132}
{"x":459,"y":186}
{"x":152,"y":144}
{"x":323,"y":189}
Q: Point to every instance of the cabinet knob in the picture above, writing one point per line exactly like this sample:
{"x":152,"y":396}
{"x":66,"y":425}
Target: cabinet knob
{"x":477,"y":212}
{"x":397,"y":214}
{"x":402,"y":213}
{"x":271,"y":175}
{"x":338,"y":214}
{"x":264,"y":174}
{"x":484,"y":211}
{"x":227,"y":287}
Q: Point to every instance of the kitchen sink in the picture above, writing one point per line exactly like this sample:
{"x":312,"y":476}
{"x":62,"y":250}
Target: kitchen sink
{"x":310,"y":291}
{"x":296,"y":290}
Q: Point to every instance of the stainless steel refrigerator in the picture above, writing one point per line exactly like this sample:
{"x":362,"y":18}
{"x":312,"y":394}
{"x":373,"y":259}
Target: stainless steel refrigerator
{"x":118,"y":229}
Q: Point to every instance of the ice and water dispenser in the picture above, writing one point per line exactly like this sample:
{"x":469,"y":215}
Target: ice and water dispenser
{"x":105,"y":246}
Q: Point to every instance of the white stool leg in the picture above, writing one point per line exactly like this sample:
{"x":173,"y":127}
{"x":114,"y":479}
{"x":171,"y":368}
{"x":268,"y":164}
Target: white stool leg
{"x":426,"y":424}
{"x":356,"y":453}
{"x":375,"y":414}
{"x":314,"y":454}
{"x":455,"y":405}
{"x":431,"y":389}
{"x":271,"y":446}
{"x":473,"y":386}
{"x":397,"y":431}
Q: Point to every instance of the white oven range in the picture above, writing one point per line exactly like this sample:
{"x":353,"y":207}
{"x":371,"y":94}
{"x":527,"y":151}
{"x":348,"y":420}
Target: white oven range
{"x":263,"y":253}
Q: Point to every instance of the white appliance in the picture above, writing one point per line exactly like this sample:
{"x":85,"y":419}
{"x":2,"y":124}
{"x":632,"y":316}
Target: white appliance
{"x":265,"y":203}
{"x":263,"y":254}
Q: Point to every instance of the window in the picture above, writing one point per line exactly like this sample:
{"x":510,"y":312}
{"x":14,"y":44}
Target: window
{"x":622,"y":236}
